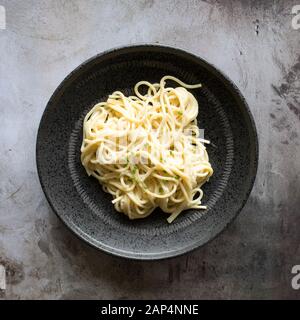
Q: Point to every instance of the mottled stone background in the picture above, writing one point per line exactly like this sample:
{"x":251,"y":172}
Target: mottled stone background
{"x":254,"y":44}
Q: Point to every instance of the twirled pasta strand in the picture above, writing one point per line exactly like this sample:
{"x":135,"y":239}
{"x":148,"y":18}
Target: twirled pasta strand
{"x":146,"y":149}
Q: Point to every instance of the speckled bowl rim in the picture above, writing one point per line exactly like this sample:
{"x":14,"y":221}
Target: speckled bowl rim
{"x":176,"y":252}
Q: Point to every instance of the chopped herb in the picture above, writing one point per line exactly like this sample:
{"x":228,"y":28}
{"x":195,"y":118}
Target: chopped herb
{"x":180,"y":112}
{"x":177,"y":177}
{"x":133,"y":170}
{"x":138,"y":180}
{"x":160,"y":190}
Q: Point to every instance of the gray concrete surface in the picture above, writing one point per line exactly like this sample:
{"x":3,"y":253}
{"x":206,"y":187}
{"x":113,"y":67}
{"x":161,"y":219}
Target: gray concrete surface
{"x":254,"y":44}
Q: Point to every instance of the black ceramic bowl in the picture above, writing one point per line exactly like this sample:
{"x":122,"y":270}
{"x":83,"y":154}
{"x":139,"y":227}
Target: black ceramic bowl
{"x":79,"y":200}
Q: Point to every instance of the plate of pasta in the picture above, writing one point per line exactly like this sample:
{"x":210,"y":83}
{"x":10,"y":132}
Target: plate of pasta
{"x":147,"y":152}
